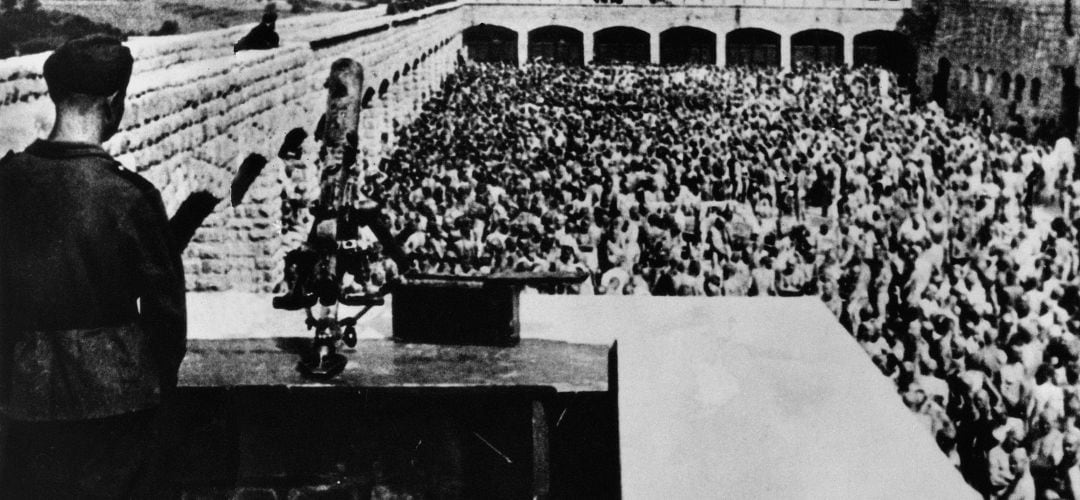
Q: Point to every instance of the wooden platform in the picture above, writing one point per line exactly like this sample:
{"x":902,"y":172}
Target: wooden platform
{"x":471,"y":403}
{"x":563,"y":366}
{"x":717,"y":397}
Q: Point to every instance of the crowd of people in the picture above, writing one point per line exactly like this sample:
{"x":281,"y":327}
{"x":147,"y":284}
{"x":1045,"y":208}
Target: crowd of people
{"x":946,"y":247}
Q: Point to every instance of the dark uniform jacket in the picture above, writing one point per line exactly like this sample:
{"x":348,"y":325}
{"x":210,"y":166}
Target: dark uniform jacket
{"x":92,"y":310}
{"x":261,"y":37}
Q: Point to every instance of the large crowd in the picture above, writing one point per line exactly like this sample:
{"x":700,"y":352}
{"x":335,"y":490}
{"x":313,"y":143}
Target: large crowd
{"x":946,"y":247}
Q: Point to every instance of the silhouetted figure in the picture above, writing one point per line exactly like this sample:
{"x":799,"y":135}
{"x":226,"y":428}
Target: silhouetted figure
{"x":940,"y":92}
{"x":1070,"y":102}
{"x":261,"y":37}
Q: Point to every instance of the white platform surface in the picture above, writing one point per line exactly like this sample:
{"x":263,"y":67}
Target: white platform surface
{"x":739,"y":398}
{"x":763,"y":398}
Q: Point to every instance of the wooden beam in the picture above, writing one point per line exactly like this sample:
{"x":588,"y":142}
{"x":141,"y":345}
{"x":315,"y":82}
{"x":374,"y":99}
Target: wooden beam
{"x":541,"y":452}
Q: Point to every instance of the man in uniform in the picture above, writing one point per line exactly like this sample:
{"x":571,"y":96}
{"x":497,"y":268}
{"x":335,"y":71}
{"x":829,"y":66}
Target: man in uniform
{"x":92,"y":310}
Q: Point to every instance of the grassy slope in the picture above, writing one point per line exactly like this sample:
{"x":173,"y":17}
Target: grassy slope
{"x":44,"y":30}
{"x":30,"y":32}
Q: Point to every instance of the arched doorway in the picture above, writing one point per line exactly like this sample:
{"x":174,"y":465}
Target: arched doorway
{"x":1070,"y":102}
{"x":940,"y":91}
{"x":621,"y":44}
{"x":1019,"y":83}
{"x":888,"y":49}
{"x":687,"y":45}
{"x":817,"y":46}
{"x":490,"y":43}
{"x":558,"y":44}
{"x":753,"y":47}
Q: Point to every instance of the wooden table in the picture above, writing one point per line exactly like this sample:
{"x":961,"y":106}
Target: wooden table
{"x":526,"y":379}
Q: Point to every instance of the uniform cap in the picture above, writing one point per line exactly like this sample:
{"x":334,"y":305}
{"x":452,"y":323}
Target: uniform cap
{"x":94,"y":65}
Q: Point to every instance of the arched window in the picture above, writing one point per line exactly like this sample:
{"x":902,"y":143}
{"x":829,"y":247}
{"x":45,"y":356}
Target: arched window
{"x":1006,"y":82}
{"x":888,"y":49}
{"x":558,"y":44}
{"x":490,"y":43}
{"x":752,"y":47}
{"x":1036,"y":90}
{"x":621,"y":44}
{"x":817,"y":46}
{"x":1019,"y":84}
{"x":685,"y":44}
{"x":977,"y":82}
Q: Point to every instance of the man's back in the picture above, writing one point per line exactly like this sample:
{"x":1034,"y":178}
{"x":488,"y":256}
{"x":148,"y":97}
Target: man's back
{"x":84,"y":246}
{"x":65,"y":214}
{"x":92,"y":313}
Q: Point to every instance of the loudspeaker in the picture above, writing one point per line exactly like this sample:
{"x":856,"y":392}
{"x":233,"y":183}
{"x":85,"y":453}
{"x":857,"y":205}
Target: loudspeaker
{"x":461,"y":313}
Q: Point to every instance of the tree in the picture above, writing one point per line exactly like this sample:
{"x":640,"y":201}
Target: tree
{"x":8,"y":5}
{"x":31,"y":5}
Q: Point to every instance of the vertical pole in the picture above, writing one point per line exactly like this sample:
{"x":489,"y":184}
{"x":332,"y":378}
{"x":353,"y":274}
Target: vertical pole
{"x":849,"y":50}
{"x":785,"y":51}
{"x":721,"y":50}
{"x":522,"y":48}
{"x":654,"y":48}
{"x":587,"y":45}
{"x":541,"y":452}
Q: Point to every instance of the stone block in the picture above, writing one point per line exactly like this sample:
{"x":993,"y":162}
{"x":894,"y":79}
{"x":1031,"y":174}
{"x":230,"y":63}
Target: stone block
{"x":262,"y":263}
{"x":209,"y":284}
{"x":208,"y":253}
{"x":191,"y":267}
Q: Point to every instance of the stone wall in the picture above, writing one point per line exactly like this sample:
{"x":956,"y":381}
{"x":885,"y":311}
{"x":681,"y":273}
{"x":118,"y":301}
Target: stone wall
{"x":195,"y":110}
{"x":1025,"y":38}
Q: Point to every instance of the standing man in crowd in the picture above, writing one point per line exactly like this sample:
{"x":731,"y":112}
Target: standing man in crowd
{"x":92,"y":309}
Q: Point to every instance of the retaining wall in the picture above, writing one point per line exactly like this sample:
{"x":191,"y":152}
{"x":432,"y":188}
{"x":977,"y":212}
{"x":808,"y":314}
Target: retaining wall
{"x":195,"y":110}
